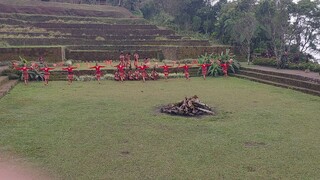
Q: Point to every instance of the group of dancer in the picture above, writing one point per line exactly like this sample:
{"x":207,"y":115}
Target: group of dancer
{"x":124,"y":70}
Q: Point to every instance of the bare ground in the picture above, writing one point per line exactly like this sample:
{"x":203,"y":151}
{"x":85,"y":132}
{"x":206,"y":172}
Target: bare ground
{"x":14,"y":168}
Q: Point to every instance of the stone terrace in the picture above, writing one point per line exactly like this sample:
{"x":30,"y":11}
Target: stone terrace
{"x":95,"y":38}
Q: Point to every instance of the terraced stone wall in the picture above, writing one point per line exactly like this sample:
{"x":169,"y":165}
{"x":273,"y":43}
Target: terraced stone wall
{"x":51,"y":54}
{"x":102,"y":55}
{"x":185,"y":52}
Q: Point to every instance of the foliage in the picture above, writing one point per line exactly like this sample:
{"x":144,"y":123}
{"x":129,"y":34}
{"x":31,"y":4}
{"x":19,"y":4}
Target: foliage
{"x":34,"y":73}
{"x":315,"y":67}
{"x":8,"y":72}
{"x":265,"y":62}
{"x":215,"y":60}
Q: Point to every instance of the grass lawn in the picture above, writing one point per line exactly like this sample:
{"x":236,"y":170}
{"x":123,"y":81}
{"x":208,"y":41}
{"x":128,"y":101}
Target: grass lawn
{"x":113,"y":131}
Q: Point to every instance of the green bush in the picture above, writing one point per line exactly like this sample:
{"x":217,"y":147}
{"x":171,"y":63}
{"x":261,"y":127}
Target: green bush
{"x":265,"y":62}
{"x":13,"y":76}
{"x":297,"y":66}
{"x":7,"y":72}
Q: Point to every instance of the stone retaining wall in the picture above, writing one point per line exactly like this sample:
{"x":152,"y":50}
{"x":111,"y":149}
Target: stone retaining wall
{"x":51,"y":54}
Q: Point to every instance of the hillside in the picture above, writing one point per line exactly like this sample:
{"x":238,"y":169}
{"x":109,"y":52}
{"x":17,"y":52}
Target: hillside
{"x":55,"y":8}
{"x":87,"y":32}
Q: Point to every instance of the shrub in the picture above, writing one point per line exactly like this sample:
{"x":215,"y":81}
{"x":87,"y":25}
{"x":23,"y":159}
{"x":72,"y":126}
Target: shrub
{"x":13,"y":76}
{"x":297,"y":66}
{"x":7,"y":72}
{"x":265,"y":62}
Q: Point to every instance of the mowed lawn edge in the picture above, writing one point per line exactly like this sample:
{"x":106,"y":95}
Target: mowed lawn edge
{"x":113,"y":130}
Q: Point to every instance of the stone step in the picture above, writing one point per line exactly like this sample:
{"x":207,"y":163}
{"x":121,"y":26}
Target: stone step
{"x":80,"y":41}
{"x":282,"y":79}
{"x":21,"y":19}
{"x":6,"y":87}
{"x":301,"y":89}
{"x":94,"y":26}
{"x":292,"y":76}
{"x":3,"y":80}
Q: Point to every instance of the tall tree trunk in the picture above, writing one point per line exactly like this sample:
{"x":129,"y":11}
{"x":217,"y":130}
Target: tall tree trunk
{"x":248,"y":54}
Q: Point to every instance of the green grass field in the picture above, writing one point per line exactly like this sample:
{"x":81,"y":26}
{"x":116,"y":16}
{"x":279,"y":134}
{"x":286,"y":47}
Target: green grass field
{"x":113,"y":130}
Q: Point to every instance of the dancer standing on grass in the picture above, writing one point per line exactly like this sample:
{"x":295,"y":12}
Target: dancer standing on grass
{"x":186,"y":71}
{"x":121,"y":72}
{"x":137,"y":74}
{"x":25,"y":73}
{"x":204,"y":68}
{"x":122,"y":58}
{"x":46,"y":70}
{"x":165,"y":71}
{"x":98,"y":71}
{"x":128,"y":60}
{"x":154,"y":74}
{"x":225,"y":67}
{"x":70,"y":73}
{"x":143,"y":72}
{"x":130,"y":74}
{"x":136,"y":59}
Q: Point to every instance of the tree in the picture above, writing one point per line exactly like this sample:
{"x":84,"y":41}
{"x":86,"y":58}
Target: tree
{"x":238,"y":24}
{"x":305,"y":26}
{"x":273,"y":16}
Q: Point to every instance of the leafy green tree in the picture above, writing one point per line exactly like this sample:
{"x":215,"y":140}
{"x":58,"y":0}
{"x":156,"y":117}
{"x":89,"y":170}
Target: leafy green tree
{"x":305,"y":26}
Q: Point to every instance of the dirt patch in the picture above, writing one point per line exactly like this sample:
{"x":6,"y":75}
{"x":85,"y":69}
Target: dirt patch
{"x":13,"y":168}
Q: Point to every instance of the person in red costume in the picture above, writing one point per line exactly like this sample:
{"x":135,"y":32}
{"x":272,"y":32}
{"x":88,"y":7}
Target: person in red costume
{"x":204,"y":68}
{"x":46,"y":70}
{"x":98,"y":71}
{"x":120,"y":68}
{"x":122,"y":58}
{"x":25,"y":73}
{"x":154,"y":74}
{"x":136,"y":59}
{"x":225,"y":67}
{"x":130,"y":74}
{"x":127,"y":59}
{"x":137,"y":74}
{"x":143,"y":72}
{"x":186,"y":71}
{"x":165,"y":71}
{"x":70,"y":73}
{"x":116,"y":75}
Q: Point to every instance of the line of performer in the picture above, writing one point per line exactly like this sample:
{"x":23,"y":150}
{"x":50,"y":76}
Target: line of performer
{"x":124,"y":70}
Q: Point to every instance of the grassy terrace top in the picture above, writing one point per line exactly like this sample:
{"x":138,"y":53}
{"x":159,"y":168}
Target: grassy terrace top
{"x":18,"y":18}
{"x":53,"y":8}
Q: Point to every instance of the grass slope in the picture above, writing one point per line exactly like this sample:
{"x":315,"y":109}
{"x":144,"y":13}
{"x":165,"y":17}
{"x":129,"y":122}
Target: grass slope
{"x":112,"y":130}
{"x":37,"y":4}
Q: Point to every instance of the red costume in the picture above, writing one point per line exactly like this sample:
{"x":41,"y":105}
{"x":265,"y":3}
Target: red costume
{"x":120,"y":68}
{"x":98,"y":71}
{"x":136,"y":59}
{"x":204,"y":68}
{"x":143,"y":70}
{"x":128,"y":59}
{"x":116,"y":76}
{"x":70,"y":72}
{"x":121,"y":57}
{"x":185,"y":70}
{"x":137,"y":74}
{"x":130,"y":75}
{"x":154,"y":75}
{"x":46,"y":72}
{"x":224,"y":67}
{"x":165,"y":70}
{"x":24,"y":70}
